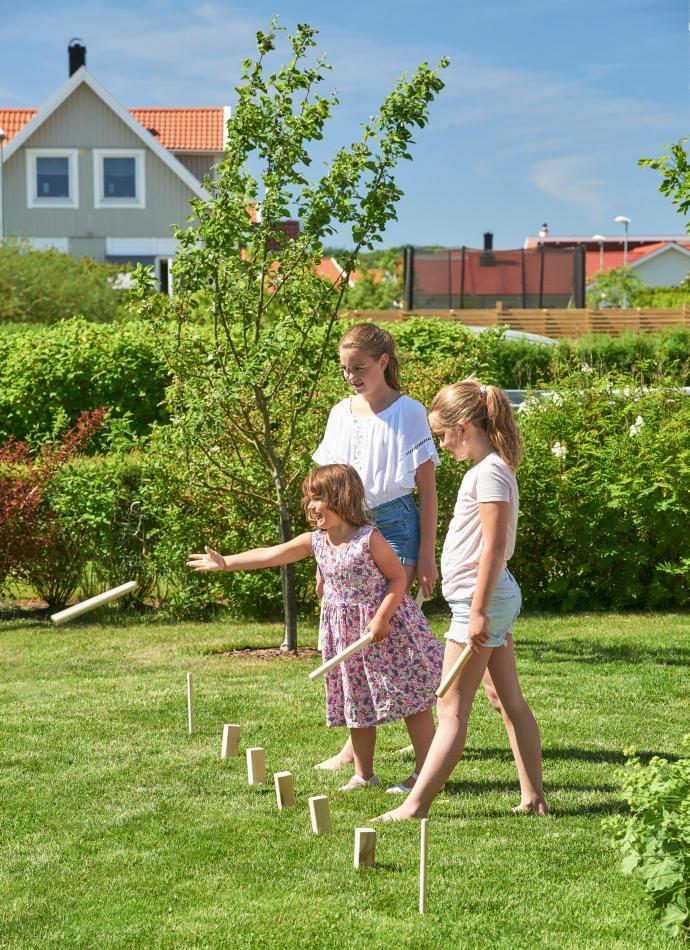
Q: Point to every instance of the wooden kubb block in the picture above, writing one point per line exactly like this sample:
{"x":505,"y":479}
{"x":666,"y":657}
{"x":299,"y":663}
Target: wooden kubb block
{"x":285,"y":789}
{"x":320,"y":812}
{"x":256,"y":766}
{"x":231,"y":741}
{"x":365,"y":848}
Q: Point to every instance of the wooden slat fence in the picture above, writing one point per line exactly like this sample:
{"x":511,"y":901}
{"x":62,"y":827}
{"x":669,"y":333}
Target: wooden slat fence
{"x":559,"y":324}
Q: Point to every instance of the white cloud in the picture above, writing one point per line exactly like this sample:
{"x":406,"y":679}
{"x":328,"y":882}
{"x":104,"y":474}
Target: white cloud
{"x":570,"y":179}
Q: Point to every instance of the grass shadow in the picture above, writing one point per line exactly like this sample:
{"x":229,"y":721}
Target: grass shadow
{"x":574,"y":650}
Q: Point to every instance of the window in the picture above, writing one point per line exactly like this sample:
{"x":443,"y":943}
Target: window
{"x":52,"y":179}
{"x":118,"y":178}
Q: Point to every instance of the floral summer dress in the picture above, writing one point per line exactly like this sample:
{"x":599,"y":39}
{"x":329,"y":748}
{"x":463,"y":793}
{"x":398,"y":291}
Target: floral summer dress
{"x":385,"y":681}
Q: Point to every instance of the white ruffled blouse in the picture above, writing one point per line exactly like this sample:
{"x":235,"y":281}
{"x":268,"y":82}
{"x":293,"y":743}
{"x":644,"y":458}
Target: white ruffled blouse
{"x":386,"y":448}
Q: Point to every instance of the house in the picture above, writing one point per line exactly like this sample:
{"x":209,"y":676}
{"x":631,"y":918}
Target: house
{"x":91,"y":178}
{"x":658,"y":260}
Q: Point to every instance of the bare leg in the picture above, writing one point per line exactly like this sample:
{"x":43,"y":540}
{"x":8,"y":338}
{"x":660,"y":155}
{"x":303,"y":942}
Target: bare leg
{"x":449,"y":742}
{"x":421,"y":730}
{"x":363,"y":744}
{"x":503,"y":690}
{"x":346,"y":754}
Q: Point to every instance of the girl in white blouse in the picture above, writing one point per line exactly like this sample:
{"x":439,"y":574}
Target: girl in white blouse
{"x":386,"y":437}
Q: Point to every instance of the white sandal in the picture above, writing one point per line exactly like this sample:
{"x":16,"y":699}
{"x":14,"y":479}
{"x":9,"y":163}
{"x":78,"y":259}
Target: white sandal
{"x":358,"y":782}
{"x":402,"y":789}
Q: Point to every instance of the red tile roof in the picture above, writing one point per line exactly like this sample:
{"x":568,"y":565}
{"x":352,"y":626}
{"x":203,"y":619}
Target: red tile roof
{"x":14,"y":120}
{"x":185,"y":129}
{"x":614,"y":259}
{"x":177,"y":129}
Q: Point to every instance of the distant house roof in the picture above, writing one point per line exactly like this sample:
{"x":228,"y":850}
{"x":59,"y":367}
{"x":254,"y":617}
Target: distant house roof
{"x":614,"y":258}
{"x":179,"y":130}
{"x":611,"y":242}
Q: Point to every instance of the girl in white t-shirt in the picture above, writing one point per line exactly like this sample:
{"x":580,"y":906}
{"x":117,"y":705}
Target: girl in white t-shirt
{"x":476,"y":422}
{"x":386,"y":437}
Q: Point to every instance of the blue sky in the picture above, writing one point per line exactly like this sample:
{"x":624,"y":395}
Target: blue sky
{"x":548,"y":104}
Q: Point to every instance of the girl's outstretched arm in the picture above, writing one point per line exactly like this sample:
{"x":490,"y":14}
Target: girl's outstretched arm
{"x":387,"y":562}
{"x":289,"y":552}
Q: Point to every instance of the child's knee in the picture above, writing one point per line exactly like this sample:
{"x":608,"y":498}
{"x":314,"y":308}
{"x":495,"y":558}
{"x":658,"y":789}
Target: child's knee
{"x":454,"y":708}
{"x":492,"y":696}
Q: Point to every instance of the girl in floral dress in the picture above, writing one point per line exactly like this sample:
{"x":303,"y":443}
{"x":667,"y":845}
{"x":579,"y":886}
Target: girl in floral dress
{"x":364,"y":589}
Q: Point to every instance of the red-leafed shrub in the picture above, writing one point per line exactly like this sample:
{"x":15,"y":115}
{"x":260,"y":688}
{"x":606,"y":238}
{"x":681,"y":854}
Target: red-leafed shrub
{"x":32,"y":546}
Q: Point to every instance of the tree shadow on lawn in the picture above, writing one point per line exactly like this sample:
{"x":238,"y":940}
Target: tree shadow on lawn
{"x":567,"y":753}
{"x":605,"y":806}
{"x":566,"y":651}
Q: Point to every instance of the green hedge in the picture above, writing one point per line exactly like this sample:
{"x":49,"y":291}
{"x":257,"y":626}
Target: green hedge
{"x":48,"y":375}
{"x":603,"y":525}
{"x":43,"y":287}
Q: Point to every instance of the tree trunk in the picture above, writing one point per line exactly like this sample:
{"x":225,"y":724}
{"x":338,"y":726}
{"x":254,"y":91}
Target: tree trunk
{"x":287,"y":580}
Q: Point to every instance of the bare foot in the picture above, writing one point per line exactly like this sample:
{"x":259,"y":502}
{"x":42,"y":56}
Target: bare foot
{"x":403,"y":813}
{"x":335,"y":762}
{"x":539,"y":808}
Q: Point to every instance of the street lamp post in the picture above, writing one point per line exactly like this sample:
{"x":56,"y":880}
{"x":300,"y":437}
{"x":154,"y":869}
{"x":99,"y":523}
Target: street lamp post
{"x":600,"y":238}
{"x":621,"y":219}
{"x":3,"y":138}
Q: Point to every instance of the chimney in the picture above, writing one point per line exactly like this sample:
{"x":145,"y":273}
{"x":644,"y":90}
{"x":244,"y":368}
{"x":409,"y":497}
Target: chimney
{"x":77,"y":55}
{"x":488,"y":241}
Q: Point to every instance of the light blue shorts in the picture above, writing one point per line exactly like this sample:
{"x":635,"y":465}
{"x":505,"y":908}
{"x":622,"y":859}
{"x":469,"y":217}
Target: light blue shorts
{"x":503,"y":612}
{"x":398,"y":522}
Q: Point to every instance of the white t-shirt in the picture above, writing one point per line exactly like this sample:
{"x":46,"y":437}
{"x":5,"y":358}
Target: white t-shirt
{"x":386,"y":449}
{"x":489,"y":480}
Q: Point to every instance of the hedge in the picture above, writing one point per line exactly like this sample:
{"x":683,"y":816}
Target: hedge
{"x":48,"y":375}
{"x":605,"y":500}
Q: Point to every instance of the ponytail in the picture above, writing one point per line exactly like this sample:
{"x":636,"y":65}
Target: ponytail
{"x":488,"y":408}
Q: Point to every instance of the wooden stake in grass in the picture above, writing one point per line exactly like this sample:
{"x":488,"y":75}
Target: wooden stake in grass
{"x":423,"y":861}
{"x":320,"y":812}
{"x":365,"y":848}
{"x":455,"y":671}
{"x":231,"y":742}
{"x":69,"y":613}
{"x":285,"y":789}
{"x":340,"y":657}
{"x":190,"y":704}
{"x":256,"y":766}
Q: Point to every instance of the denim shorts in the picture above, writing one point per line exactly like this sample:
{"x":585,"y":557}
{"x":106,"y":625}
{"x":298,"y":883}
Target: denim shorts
{"x":398,"y":522}
{"x":503,"y":612}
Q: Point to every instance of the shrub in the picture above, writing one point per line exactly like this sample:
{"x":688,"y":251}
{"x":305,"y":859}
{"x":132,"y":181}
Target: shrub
{"x":605,"y":495}
{"x":655,"y":837}
{"x":48,"y":286}
{"x":49,"y":375}
{"x":33,"y":543}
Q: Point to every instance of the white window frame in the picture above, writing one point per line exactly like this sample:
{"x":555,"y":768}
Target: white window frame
{"x":99,"y":200}
{"x":33,"y":199}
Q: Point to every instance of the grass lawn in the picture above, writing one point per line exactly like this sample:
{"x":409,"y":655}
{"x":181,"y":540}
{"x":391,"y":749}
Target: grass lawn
{"x":119,"y":829}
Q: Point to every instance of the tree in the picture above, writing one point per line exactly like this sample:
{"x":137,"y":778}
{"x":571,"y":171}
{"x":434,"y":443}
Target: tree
{"x":675,"y":171}
{"x":616,"y":287}
{"x":239,"y":401}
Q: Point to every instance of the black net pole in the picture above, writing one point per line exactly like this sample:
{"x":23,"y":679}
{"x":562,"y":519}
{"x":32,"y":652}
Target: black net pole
{"x":541,"y":276}
{"x":462,"y":278}
{"x":409,"y":277}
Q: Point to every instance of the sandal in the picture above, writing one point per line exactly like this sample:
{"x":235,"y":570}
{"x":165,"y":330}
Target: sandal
{"x":358,"y":782}
{"x":402,"y":789}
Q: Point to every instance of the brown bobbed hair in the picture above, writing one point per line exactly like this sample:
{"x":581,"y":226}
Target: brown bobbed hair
{"x":488,"y":408}
{"x":341,"y":488}
{"x":375,"y":341}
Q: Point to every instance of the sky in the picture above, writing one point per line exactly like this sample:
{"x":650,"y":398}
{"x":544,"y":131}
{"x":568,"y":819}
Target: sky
{"x":548,"y":104}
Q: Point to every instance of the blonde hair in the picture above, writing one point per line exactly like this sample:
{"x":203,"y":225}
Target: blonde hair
{"x":375,"y":341}
{"x":488,"y":408}
{"x":341,"y":488}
